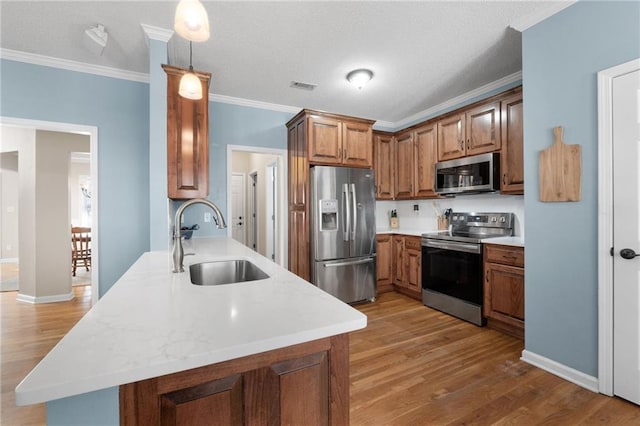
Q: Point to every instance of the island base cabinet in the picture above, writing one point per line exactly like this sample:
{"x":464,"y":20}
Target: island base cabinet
{"x":305,"y":384}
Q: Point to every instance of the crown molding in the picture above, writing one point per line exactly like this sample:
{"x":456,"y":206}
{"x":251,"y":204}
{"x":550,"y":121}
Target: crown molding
{"x":458,"y":100}
{"x":529,"y":21}
{"x":48,"y":61}
{"x":253,"y":104}
{"x":156,"y":33}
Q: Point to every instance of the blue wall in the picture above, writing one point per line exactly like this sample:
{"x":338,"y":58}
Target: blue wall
{"x":561,"y":57}
{"x":235,"y":125}
{"x":120,"y":111}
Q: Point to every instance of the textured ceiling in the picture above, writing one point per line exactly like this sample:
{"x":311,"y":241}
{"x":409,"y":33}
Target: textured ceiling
{"x":422,"y":53}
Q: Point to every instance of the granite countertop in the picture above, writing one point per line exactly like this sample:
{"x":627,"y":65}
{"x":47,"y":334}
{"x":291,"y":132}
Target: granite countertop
{"x":404,"y":231}
{"x":153,"y":322}
{"x":516,"y":241}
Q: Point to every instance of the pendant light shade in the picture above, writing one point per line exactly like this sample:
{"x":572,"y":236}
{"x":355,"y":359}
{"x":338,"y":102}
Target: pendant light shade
{"x":190,"y":85}
{"x":191,"y":20}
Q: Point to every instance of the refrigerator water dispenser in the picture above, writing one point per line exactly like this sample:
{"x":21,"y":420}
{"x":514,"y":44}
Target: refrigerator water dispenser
{"x":329,"y":215}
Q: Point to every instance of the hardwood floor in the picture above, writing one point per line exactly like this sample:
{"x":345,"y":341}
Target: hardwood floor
{"x":410,"y":366}
{"x":28,"y":334}
{"x":416,"y":366}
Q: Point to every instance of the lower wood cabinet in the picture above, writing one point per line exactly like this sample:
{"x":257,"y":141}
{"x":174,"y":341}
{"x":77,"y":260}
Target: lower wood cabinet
{"x":403,"y":271}
{"x":306,"y":384}
{"x":384,"y":262}
{"x":504,"y":288}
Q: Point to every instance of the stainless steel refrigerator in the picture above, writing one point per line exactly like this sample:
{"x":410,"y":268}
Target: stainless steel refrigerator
{"x":343,"y":232}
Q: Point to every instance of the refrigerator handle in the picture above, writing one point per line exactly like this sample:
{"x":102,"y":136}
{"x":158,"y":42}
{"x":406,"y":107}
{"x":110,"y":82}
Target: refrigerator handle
{"x":355,"y":212}
{"x":346,"y":211}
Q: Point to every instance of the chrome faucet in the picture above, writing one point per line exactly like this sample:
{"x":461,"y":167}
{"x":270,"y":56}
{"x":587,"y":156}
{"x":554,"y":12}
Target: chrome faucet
{"x":178,"y":253}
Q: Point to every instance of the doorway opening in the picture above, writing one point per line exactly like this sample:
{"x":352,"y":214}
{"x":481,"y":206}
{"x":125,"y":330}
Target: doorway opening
{"x":71,"y":157}
{"x":265,"y":198}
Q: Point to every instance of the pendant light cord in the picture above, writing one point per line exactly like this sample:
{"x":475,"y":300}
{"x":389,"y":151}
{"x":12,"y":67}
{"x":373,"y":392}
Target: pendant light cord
{"x":190,"y":56}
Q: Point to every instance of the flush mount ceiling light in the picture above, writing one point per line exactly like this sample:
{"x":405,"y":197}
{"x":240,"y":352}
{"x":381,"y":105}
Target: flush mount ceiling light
{"x":190,"y":85}
{"x":360,"y":77}
{"x":98,"y":35}
{"x":191,"y":20}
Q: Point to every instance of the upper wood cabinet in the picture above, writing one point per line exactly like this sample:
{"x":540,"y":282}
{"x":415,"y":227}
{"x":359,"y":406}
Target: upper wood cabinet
{"x":403,"y":165}
{"x":340,"y":141}
{"x":483,"y":128}
{"x":511,"y":155}
{"x":451,"y":137}
{"x":415,"y":159}
{"x":426,"y":156}
{"x":474,"y":131}
{"x":383,"y":157}
{"x":187,"y":138}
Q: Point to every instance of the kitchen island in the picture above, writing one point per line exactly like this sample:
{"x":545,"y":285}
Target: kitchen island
{"x":203,"y":349}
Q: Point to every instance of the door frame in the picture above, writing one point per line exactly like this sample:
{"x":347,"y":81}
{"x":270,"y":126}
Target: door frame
{"x":282,"y":190}
{"x":244,"y":204}
{"x":253,"y":209}
{"x":92,"y":132}
{"x":605,"y":221}
{"x":272,"y":204}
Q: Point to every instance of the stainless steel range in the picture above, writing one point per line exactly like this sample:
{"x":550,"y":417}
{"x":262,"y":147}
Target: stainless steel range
{"x":452,"y":279}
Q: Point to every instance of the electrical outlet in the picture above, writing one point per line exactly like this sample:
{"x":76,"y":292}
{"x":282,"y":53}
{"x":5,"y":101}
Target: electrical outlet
{"x":207,"y":216}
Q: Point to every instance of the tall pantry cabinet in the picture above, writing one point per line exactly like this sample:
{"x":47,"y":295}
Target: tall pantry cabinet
{"x":319,"y":138}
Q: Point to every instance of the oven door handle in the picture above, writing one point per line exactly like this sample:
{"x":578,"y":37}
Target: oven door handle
{"x":454,"y":246}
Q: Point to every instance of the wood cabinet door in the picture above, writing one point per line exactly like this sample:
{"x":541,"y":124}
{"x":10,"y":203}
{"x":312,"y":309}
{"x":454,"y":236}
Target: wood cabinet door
{"x":187,"y":139}
{"x":451,"y":137}
{"x":414,"y":271}
{"x":298,"y":165}
{"x":398,"y":257}
{"x":511,"y":155}
{"x":357,"y":144}
{"x":299,"y":243}
{"x":383,"y":149}
{"x":426,"y":156}
{"x":384,"y":259}
{"x":483,"y":129}
{"x":404,"y":166}
{"x":504,"y":293}
{"x":325,"y":140}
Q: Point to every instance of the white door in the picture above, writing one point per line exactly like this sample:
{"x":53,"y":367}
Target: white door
{"x":626,"y":236}
{"x":238,"y":216}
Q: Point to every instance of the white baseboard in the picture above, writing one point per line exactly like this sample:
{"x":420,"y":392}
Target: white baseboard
{"x":561,"y":370}
{"x":44,"y":299}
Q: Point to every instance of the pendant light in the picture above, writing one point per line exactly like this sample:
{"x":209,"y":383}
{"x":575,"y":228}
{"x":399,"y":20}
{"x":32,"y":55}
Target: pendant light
{"x":190,"y":85}
{"x":191,"y":20}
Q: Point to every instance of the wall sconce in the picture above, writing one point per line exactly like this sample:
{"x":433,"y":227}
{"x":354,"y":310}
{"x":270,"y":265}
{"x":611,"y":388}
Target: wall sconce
{"x":190,"y":85}
{"x":360,"y":77}
{"x":191,"y":20}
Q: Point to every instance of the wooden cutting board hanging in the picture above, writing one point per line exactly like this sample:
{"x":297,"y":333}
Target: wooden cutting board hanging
{"x":560,"y":171}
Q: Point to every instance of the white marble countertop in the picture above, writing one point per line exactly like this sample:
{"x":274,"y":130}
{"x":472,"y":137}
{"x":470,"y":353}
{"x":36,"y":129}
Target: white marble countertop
{"x":517,"y":241}
{"x":405,"y":231}
{"x":153,"y":322}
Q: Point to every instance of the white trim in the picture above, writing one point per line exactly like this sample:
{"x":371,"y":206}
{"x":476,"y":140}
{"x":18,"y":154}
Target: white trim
{"x":529,"y":21}
{"x":9,"y":260}
{"x":48,"y":61}
{"x":92,"y":132}
{"x":605,"y":221}
{"x":574,"y":376}
{"x":253,"y":104}
{"x":156,"y":33}
{"x":283,"y":216}
{"x":465,"y":97}
{"x":44,"y":299}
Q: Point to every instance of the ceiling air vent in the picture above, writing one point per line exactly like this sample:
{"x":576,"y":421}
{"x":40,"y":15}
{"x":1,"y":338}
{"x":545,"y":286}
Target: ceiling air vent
{"x":302,"y":86}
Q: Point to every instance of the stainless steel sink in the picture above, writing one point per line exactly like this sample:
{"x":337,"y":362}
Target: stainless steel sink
{"x":225,"y":272}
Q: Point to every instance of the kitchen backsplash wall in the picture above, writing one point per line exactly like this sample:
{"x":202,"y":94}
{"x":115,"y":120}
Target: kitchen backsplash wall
{"x":425,"y":217}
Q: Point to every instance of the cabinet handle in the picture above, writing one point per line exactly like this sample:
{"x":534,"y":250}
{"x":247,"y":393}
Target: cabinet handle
{"x":468,"y":144}
{"x":486,"y":276}
{"x":504,"y":178}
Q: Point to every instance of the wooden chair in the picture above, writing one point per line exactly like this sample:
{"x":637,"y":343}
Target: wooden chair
{"x":80,"y":248}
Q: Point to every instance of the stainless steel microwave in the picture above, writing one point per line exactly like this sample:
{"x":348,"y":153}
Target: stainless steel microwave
{"x":477,"y":173}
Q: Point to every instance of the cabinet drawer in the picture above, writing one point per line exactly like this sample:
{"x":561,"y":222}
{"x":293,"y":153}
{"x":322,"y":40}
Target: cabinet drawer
{"x":506,"y":255}
{"x":414,"y":243}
